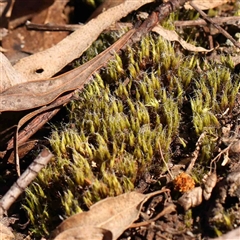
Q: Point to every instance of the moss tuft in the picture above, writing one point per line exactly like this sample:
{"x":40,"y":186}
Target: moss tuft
{"x":142,"y":99}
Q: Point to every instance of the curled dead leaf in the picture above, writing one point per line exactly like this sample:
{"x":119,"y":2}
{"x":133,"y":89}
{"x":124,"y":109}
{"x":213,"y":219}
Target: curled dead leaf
{"x":191,"y":199}
{"x":173,"y":36}
{"x":34,"y":94}
{"x":114,"y":214}
{"x":233,"y":180}
{"x":234,"y":177}
{"x":195,"y":197}
{"x":85,"y":233}
{"x":209,"y":183}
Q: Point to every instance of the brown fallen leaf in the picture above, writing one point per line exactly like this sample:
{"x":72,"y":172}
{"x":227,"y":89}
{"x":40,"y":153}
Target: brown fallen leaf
{"x":25,"y":9}
{"x":191,"y":199}
{"x":210,"y":182}
{"x":85,"y":233}
{"x":114,"y":214}
{"x":5,"y":12}
{"x":173,"y":36}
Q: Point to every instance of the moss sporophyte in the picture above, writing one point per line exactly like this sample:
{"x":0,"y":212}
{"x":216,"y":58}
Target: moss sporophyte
{"x":148,"y":95}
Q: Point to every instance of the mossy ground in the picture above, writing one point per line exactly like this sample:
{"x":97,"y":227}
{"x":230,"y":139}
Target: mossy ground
{"x":152,"y":96}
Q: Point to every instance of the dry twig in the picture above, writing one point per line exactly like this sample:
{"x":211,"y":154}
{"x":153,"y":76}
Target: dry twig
{"x":169,"y":209}
{"x":220,"y":29}
{"x":24,"y":180}
{"x":235,"y":21}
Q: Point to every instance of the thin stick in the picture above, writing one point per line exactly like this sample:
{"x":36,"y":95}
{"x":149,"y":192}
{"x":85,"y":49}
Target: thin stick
{"x":71,"y":27}
{"x":220,"y":29}
{"x":161,"y":154}
{"x":166,"y":210}
{"x":235,"y":21}
{"x":220,"y":154}
{"x":52,"y":27}
{"x":24,"y":180}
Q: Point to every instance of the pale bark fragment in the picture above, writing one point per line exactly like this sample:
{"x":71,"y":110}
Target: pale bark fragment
{"x":24,"y":180}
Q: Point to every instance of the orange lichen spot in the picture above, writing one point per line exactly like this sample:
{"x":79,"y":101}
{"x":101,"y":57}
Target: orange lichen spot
{"x":183,"y":182}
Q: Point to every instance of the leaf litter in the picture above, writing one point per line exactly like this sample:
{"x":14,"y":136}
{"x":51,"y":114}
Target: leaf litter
{"x":114,"y":214}
{"x":227,"y":190}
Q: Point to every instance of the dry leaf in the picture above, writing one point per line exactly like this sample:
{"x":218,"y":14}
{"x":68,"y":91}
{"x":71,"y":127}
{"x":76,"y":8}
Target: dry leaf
{"x":20,"y":42}
{"x":5,"y":233}
{"x":47,"y":63}
{"x":209,"y":183}
{"x":113,"y":213}
{"x":9,"y":76}
{"x":25,"y":9}
{"x":191,"y":199}
{"x":207,"y":4}
{"x":39,"y":93}
{"x":85,"y":233}
{"x":173,"y":36}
